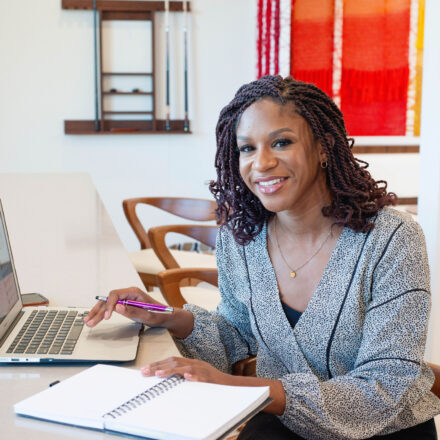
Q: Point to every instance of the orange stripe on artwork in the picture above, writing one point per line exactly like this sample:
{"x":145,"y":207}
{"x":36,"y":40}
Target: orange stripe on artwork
{"x":312,"y":45}
{"x":311,"y":48}
{"x":375,"y":67}
{"x":372,"y":42}
{"x":313,"y":10}
{"x":363,"y":8}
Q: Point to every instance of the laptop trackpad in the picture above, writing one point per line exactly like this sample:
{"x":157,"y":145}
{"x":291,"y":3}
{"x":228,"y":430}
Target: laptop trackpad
{"x":108,"y":332}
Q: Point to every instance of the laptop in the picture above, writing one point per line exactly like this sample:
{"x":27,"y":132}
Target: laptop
{"x":55,"y":334}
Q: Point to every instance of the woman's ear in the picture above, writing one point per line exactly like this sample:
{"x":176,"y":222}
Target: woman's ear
{"x":322,"y":156}
{"x":330,"y":139}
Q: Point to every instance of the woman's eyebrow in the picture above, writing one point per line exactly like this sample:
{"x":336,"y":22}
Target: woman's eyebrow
{"x":281,"y":130}
{"x":271,"y":134}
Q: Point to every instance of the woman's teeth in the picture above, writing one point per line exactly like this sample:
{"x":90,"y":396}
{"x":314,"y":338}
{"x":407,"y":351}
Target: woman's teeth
{"x":270,"y":182}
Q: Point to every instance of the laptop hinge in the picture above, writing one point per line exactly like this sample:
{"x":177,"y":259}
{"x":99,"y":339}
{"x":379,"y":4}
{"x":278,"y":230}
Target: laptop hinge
{"x":11,"y":327}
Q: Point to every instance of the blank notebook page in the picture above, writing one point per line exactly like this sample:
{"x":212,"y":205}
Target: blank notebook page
{"x":190,"y":410}
{"x":84,"y":398}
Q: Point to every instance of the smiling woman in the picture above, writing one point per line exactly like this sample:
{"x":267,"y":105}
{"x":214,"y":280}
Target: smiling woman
{"x":320,"y":280}
{"x":316,"y":123}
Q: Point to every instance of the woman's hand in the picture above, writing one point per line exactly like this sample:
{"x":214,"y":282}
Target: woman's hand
{"x":191,"y":369}
{"x":179,"y":324}
{"x":104,"y":309}
{"x":196,"y":370}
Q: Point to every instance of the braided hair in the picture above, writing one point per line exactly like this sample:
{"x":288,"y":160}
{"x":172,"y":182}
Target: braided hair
{"x":356,"y":196}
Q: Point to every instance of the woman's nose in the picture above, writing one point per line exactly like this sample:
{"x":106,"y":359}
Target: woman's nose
{"x":264,"y":159}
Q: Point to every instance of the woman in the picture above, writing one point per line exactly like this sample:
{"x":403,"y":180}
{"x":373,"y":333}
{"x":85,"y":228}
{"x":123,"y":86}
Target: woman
{"x":321,"y":281}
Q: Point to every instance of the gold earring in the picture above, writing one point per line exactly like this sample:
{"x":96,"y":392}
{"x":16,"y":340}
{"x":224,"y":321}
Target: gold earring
{"x":324,"y":164}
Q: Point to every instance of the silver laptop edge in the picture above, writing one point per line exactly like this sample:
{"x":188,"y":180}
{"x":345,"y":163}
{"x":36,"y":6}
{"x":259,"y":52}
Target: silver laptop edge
{"x":115,"y":340}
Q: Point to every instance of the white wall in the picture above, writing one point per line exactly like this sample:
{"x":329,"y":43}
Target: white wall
{"x":46,"y":76}
{"x":429,"y":206}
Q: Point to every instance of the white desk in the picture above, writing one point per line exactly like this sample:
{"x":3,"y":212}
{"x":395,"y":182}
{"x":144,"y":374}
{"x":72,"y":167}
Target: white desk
{"x":65,"y":247}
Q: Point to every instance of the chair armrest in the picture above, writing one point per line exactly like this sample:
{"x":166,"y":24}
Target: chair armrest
{"x":203,"y":233}
{"x":245,"y":367}
{"x":129,"y":206}
{"x":169,"y":282}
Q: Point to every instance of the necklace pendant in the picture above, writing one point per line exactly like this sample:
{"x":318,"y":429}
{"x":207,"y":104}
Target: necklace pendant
{"x":293,"y":274}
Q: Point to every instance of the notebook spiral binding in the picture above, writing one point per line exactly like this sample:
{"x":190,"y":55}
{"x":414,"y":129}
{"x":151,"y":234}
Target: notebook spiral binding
{"x":145,"y":396}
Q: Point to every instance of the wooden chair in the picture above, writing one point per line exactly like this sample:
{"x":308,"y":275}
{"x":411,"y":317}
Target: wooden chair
{"x":436,"y":387}
{"x":154,"y":255}
{"x":208,"y":298}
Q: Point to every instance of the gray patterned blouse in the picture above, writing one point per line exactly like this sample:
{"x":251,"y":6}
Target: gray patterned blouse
{"x":353,"y":365}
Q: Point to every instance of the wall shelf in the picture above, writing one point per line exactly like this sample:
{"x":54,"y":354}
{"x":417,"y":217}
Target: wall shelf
{"x":123,"y":6}
{"x":86,"y":127}
{"x":108,"y":112}
{"x":110,"y":10}
{"x":382,"y":149}
{"x":126,"y":74}
{"x":127,"y":93}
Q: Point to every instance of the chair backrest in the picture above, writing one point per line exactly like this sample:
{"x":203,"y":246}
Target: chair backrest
{"x":188,"y":208}
{"x":203,"y":233}
{"x":436,"y":387}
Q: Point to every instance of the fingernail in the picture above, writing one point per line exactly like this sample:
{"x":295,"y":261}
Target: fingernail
{"x":187,"y":375}
{"x":106,"y":314}
{"x":146,"y":369}
{"x":160,"y":373}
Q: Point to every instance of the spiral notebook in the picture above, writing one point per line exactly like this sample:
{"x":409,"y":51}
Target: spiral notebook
{"x":118,"y":399}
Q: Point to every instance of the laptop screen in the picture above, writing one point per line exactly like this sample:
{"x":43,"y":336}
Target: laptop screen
{"x":8,"y":288}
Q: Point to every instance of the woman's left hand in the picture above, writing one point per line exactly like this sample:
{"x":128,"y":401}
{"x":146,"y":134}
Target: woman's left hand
{"x":200,"y":371}
{"x":191,"y":369}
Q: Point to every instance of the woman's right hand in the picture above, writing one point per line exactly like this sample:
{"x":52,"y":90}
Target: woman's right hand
{"x":179,"y":323}
{"x":104,"y":309}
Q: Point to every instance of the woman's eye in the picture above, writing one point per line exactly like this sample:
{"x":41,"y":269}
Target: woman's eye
{"x":279,"y":143}
{"x":245,"y":148}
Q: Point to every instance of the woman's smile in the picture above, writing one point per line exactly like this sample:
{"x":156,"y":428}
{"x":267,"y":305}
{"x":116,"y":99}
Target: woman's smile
{"x":271,"y":184}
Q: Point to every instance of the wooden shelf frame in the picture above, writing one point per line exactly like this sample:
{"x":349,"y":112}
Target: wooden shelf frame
{"x":125,"y":112}
{"x":385,"y":149}
{"x":123,"y":6}
{"x":125,"y":10}
{"x":128,"y":73}
{"x":127,"y":93}
{"x":113,"y":126}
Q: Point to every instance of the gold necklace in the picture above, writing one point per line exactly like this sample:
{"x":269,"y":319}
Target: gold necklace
{"x":294,"y":271}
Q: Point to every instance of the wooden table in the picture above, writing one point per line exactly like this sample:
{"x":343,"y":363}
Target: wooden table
{"x":65,"y":247}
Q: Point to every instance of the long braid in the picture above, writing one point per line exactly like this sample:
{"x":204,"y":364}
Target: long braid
{"x":356,"y":196}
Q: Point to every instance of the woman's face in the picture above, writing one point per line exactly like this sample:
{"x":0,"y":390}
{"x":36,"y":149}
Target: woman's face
{"x":279,"y":157}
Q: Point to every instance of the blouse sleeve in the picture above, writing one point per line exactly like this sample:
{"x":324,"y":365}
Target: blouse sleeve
{"x":389,"y":374}
{"x":222,"y":337}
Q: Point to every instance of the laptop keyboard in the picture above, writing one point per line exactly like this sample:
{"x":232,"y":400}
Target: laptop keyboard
{"x":48,"y":332}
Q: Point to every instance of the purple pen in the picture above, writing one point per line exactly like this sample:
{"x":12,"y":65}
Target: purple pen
{"x":150,"y":307}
